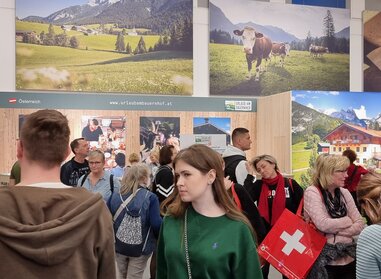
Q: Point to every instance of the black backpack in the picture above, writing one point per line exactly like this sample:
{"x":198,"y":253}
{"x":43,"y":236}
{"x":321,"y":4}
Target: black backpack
{"x":231,"y":163}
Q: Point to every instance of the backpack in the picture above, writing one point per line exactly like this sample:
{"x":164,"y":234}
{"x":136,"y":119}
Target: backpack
{"x":231,"y":163}
{"x":131,"y":235}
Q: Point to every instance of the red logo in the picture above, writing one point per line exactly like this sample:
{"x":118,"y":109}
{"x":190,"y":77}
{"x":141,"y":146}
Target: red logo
{"x":12,"y":100}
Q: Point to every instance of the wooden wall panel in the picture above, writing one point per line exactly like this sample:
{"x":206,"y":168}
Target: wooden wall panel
{"x":9,"y":127}
{"x":274,"y":129}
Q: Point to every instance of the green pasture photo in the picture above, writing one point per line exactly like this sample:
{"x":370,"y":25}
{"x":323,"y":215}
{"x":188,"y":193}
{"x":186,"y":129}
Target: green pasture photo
{"x":301,"y":71}
{"x":95,"y":66}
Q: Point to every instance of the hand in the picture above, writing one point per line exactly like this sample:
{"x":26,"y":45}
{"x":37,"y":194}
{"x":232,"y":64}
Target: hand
{"x":228,"y":183}
{"x":250,"y":168}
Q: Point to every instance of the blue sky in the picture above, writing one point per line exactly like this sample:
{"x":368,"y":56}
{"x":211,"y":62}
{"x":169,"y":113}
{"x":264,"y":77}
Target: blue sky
{"x":295,"y":19}
{"x":365,"y":104}
{"x":220,"y":122}
{"x":43,"y":8}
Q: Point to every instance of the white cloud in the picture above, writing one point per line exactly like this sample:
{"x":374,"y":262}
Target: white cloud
{"x":361,"y":112}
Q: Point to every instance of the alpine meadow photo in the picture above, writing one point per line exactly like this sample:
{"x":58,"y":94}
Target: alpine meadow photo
{"x":258,"y":48}
{"x":139,"y":47}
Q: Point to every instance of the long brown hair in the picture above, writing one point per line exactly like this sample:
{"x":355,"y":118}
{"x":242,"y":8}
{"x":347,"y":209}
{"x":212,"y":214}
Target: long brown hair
{"x":369,"y":196}
{"x":203,"y":159}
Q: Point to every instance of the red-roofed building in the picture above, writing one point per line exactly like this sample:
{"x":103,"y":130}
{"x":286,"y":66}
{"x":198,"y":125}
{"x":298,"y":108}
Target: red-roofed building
{"x":366,"y":142}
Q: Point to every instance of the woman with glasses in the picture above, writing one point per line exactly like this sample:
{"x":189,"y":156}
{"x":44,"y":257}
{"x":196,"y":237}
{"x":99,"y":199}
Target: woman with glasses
{"x":273,"y":192}
{"x":98,"y":180}
{"x":332,"y":210}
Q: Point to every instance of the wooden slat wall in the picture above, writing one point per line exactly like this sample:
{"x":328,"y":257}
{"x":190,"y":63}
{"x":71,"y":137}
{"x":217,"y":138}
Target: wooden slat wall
{"x":9,"y":127}
{"x":274,"y":129}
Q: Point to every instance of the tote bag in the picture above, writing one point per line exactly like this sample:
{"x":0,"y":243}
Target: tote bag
{"x":292,"y":245}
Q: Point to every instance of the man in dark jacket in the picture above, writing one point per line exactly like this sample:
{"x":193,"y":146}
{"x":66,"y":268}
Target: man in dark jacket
{"x":72,"y":170}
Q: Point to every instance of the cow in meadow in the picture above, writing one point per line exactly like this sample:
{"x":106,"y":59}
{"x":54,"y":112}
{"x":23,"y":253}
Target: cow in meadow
{"x":256,"y":47}
{"x":317,"y":51}
{"x":280,"y":49}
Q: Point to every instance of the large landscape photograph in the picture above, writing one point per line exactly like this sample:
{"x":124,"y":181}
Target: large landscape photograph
{"x":331,"y":122}
{"x":129,"y":46}
{"x":260,"y":48}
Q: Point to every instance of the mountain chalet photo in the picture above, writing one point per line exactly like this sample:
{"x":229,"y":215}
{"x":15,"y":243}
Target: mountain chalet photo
{"x":297,"y":47}
{"x":129,"y":46}
{"x":331,"y":122}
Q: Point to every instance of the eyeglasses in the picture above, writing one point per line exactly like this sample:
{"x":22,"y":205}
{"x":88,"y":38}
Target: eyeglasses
{"x":95,"y":163}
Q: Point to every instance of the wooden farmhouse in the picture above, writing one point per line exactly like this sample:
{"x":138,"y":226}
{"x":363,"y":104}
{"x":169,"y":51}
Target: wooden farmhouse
{"x":365,"y":142}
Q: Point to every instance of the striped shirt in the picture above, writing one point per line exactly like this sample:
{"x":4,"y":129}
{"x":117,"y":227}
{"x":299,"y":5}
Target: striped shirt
{"x":368,"y":264}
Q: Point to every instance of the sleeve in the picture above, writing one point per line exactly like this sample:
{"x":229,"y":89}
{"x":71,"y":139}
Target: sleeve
{"x":368,"y":257}
{"x":352,"y":212}
{"x":106,"y":267}
{"x":64,"y":174}
{"x":241,"y":172}
{"x":253,"y":188}
{"x":154,"y":215}
{"x":161,"y":265}
{"x":314,"y":207}
{"x":248,"y":265}
{"x":252,"y":213}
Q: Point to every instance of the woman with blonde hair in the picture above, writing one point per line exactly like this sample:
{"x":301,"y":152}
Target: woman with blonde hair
{"x":203,"y":234}
{"x":331,"y":208}
{"x":273,"y":192}
{"x":135,"y":246}
{"x":369,"y":243}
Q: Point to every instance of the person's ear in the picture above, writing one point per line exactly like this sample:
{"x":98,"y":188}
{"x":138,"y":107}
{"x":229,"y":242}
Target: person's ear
{"x":211,"y":176}
{"x":19,"y":150}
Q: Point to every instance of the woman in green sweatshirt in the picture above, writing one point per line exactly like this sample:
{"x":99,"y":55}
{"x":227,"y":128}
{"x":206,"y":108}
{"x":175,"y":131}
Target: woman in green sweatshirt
{"x":203,"y":235}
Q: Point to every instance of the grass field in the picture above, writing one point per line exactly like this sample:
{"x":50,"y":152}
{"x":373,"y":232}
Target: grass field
{"x":228,"y":70}
{"x":96,"y":67}
{"x":300,"y":159}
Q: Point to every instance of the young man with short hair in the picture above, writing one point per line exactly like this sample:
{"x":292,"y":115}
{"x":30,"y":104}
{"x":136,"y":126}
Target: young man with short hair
{"x":235,"y":156}
{"x":48,"y":229}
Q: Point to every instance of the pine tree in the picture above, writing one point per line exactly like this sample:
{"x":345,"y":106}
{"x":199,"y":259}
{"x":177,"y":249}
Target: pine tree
{"x":50,"y":37}
{"x":74,"y":42}
{"x":329,"y":32}
{"x":141,"y":47}
{"x":308,"y":41}
{"x":119,"y":45}
{"x":128,"y":48}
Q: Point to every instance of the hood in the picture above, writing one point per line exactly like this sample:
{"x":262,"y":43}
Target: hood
{"x":232,"y":151}
{"x":47,"y":225}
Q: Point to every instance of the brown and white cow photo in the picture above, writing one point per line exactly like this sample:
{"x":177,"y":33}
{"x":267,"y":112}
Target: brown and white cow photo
{"x":261,"y":48}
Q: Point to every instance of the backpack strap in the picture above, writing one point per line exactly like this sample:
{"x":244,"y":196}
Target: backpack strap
{"x":123,"y":205}
{"x":84,"y":179}
{"x":236,"y":198}
{"x":112,"y":183}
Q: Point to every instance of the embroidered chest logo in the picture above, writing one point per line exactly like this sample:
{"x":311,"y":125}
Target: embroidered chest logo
{"x":215,"y":245}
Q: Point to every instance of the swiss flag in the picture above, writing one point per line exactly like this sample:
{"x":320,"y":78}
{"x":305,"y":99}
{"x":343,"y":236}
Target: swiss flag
{"x":292,"y":246}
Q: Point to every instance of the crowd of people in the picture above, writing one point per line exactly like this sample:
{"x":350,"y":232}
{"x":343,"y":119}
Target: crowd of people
{"x":196,"y":213}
